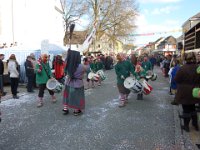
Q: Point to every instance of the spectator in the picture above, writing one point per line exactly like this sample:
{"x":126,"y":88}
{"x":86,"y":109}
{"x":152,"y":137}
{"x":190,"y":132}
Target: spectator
{"x":186,"y":79}
{"x":58,"y":66}
{"x":13,"y":69}
{"x":1,"y":74}
{"x":29,"y":73}
{"x":34,"y":62}
{"x":153,"y":61}
{"x":172,"y":75}
{"x":166,"y":65}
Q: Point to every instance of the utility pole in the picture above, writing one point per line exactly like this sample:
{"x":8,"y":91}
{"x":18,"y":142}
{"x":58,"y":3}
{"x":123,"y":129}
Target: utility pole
{"x":12,"y":11}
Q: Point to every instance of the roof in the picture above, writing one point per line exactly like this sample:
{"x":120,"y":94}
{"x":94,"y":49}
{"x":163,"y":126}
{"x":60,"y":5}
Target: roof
{"x":169,"y":40}
{"x":195,"y":16}
{"x":158,"y":40}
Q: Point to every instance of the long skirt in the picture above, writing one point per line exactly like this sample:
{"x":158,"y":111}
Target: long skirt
{"x":74,"y":97}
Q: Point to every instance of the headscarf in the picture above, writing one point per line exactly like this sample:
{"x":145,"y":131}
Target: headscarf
{"x":72,"y":61}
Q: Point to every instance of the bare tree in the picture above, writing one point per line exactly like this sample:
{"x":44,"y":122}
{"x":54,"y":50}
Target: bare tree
{"x":116,"y":17}
{"x":72,"y":10}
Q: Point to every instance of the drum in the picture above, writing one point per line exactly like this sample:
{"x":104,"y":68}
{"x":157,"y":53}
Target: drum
{"x":101,"y":74}
{"x":147,"y":88}
{"x":154,"y":77}
{"x":149,"y":74}
{"x":133,"y":85}
{"x":94,"y":77}
{"x":53,"y":85}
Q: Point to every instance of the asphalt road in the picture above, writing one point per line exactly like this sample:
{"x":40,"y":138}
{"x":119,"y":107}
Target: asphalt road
{"x":142,"y":125}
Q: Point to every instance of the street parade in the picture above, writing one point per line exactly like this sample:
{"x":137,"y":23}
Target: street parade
{"x":96,"y":74}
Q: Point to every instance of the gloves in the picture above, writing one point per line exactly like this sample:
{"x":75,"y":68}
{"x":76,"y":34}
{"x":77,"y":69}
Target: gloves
{"x":122,"y":77}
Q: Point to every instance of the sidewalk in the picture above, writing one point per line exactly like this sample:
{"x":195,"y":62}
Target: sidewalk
{"x":188,"y":140}
{"x":21,"y":89}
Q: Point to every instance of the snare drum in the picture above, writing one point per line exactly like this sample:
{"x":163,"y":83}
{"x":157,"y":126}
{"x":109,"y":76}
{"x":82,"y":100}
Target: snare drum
{"x":133,"y":85}
{"x":101,"y":74}
{"x":53,"y":85}
{"x":147,"y":88}
{"x":94,"y":77}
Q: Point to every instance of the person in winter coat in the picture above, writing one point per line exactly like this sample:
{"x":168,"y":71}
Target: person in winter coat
{"x":123,"y":68}
{"x":29,"y":73}
{"x":1,"y":74}
{"x":172,"y":75}
{"x":43,"y":74}
{"x":14,"y":75}
{"x":58,"y":66}
{"x":187,"y":79}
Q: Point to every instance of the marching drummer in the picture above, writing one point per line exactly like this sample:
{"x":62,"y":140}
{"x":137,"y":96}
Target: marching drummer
{"x":123,"y":68}
{"x":140,"y":73}
{"x":99,"y":66}
{"x":43,"y":74}
{"x":92,"y":68}
{"x":146,"y":64}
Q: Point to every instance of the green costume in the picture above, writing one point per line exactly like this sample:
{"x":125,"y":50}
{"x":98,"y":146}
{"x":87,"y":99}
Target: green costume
{"x":93,"y":67}
{"x":123,"y":68}
{"x":139,"y":75}
{"x":42,"y":77}
{"x":146,"y":65}
{"x":99,"y":66}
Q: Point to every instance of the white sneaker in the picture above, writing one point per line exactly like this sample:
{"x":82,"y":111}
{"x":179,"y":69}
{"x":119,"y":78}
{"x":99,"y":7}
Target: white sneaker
{"x":122,"y":104}
{"x":39,"y":104}
{"x":54,"y":99}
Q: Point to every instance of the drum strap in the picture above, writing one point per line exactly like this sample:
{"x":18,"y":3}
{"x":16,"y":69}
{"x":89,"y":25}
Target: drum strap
{"x":45,"y":70}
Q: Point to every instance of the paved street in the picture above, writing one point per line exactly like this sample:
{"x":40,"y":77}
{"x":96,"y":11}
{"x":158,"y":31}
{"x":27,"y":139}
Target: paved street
{"x":142,"y":125}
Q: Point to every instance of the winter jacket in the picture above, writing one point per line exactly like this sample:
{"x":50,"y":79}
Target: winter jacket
{"x":123,"y":69}
{"x":187,"y":79}
{"x":1,"y":67}
{"x":146,"y":65}
{"x":12,"y":68}
{"x":42,"y":76}
{"x":29,"y":68}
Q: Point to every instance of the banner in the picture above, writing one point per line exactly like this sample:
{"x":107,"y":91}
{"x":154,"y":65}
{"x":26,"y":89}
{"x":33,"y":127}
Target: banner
{"x":91,"y":36}
{"x":154,"y":33}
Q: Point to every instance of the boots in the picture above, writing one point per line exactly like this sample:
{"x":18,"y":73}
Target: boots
{"x":195,"y":121}
{"x":186,"y":120}
{"x":140,"y":96}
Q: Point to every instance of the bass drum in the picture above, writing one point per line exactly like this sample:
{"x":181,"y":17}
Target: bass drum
{"x":101,"y":74}
{"x":94,"y":77}
{"x":133,"y":85}
{"x":53,"y":85}
{"x":147,"y":88}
